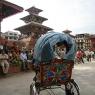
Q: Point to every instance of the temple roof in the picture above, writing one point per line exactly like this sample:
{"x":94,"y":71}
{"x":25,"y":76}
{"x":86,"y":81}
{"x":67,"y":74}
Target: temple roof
{"x":30,"y":18}
{"x":84,"y":34}
{"x":32,"y":26}
{"x":8,"y":9}
{"x":67,"y":31}
{"x":34,"y":10}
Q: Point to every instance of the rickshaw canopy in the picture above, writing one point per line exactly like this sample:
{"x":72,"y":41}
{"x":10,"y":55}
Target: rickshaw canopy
{"x":44,"y":51}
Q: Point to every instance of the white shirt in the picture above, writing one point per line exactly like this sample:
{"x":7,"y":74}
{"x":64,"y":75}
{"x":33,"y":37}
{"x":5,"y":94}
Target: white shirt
{"x":3,"y":57}
{"x":23,"y":56}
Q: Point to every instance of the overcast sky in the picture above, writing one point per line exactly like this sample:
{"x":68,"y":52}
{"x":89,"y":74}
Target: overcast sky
{"x":75,"y":15}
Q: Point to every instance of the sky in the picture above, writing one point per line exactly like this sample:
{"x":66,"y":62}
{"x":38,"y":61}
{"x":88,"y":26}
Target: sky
{"x":75,"y":15}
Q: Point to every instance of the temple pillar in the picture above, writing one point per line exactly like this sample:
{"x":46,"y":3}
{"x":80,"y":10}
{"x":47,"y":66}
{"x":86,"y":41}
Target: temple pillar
{"x":0,"y":17}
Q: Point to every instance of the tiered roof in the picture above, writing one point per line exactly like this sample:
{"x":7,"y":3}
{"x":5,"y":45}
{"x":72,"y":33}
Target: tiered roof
{"x":67,"y":31}
{"x":34,"y":17}
{"x":33,"y":23}
{"x":33,"y":10}
{"x":33,"y":27}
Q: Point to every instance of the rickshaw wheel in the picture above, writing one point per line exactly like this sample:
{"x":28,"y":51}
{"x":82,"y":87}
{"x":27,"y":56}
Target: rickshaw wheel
{"x":33,"y":90}
{"x":71,"y":88}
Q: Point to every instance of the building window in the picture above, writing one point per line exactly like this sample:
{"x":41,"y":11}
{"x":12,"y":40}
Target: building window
{"x":10,"y":33}
{"x":10,"y":37}
{"x":15,"y":34}
{"x":15,"y":38}
{"x":6,"y":37}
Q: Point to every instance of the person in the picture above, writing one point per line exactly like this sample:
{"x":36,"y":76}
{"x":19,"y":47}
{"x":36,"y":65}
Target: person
{"x":88,"y":55}
{"x":10,"y":56}
{"x":30,"y":56}
{"x":79,"y":56}
{"x":23,"y":57}
{"x":60,"y":50}
{"x":4,"y":62}
{"x":56,"y":52}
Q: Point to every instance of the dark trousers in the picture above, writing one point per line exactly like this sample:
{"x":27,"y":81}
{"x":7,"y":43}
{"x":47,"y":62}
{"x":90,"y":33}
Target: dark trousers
{"x":24,"y":65}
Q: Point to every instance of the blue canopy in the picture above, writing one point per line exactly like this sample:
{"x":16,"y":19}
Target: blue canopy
{"x":44,"y":51}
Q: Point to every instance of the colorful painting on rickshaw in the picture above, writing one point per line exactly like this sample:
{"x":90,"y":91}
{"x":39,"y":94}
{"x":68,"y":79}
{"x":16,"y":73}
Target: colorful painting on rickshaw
{"x":56,"y":73}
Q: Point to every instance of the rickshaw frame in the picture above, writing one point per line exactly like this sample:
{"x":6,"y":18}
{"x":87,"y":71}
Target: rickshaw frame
{"x":41,"y":84}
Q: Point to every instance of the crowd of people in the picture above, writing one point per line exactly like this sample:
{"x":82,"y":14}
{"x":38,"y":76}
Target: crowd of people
{"x":25,"y":57}
{"x":82,"y":56}
{"x":88,"y":55}
{"x":11,"y":57}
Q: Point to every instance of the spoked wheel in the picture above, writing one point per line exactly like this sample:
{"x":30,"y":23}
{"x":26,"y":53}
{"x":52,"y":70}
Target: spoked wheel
{"x":33,"y":90}
{"x":71,"y":88}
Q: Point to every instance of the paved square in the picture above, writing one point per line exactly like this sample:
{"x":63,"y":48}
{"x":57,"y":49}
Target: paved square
{"x":18,"y":84}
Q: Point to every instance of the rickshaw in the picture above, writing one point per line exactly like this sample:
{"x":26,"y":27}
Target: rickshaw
{"x":51,"y":72}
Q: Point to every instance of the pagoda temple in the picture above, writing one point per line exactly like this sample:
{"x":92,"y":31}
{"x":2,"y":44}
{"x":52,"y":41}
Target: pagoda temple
{"x":68,"y":32}
{"x":33,"y":27}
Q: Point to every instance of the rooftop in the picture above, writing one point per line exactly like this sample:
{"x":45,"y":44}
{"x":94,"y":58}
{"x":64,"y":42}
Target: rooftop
{"x":67,"y":31}
{"x":8,"y":8}
{"x":33,"y":16}
{"x":29,"y":27}
{"x":34,"y":10}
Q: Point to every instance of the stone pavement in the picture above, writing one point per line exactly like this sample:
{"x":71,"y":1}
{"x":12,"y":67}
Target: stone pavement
{"x":84,"y":75}
{"x":18,"y":84}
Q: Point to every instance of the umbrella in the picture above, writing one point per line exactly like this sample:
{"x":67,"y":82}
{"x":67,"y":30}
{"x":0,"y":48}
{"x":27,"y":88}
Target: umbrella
{"x":44,"y":51}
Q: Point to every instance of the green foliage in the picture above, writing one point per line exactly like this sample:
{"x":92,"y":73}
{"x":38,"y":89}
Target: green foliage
{"x":16,"y":61}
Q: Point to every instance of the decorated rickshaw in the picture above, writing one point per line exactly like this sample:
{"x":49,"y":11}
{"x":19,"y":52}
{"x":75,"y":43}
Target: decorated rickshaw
{"x":53,"y":72}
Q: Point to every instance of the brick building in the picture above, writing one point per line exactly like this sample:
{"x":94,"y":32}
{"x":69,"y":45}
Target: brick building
{"x":92,"y":38}
{"x":83,"y":41}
